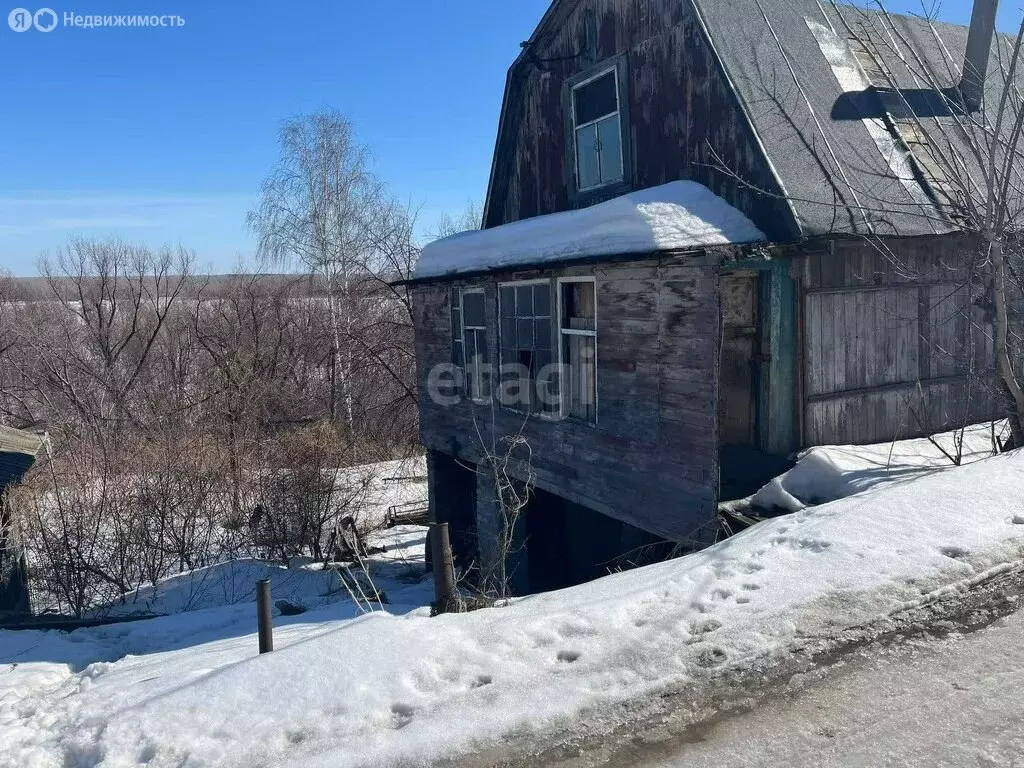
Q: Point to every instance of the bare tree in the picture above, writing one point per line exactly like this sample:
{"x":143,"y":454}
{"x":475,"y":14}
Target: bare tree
{"x":508,"y":466}
{"x":387,"y":340}
{"x":314,"y":210}
{"x":87,"y":346}
{"x":179,"y":404}
{"x":470,"y":218}
{"x":974,"y":143}
{"x":301,"y":497}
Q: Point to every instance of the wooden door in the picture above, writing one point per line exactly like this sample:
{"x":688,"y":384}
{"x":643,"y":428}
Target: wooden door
{"x":738,"y":375}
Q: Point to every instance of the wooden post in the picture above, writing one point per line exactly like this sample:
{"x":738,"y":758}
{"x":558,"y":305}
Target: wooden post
{"x":428,"y":554}
{"x":263,"y":616}
{"x":445,"y":599}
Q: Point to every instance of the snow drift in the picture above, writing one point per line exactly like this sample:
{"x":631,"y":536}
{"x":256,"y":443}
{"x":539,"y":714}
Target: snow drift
{"x":830,"y":472}
{"x":234,"y":581}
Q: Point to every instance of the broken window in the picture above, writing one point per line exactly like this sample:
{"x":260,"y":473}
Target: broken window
{"x":598,"y":131}
{"x":469,"y":340}
{"x":529,"y":379}
{"x":578,"y":331}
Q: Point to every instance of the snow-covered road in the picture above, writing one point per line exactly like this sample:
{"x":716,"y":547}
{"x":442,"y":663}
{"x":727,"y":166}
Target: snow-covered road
{"x":952,"y":702}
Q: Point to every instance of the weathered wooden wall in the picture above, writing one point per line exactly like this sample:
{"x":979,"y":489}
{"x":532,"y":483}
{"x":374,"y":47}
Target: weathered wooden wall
{"x":889,"y":340}
{"x":680,"y":104}
{"x":652,"y":459}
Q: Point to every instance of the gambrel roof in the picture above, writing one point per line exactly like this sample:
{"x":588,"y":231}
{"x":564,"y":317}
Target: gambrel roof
{"x":813,"y":78}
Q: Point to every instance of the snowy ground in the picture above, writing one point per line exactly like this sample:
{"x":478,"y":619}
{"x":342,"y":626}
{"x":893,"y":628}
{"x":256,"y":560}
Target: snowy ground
{"x":397,"y":689}
{"x":928,"y":704}
{"x":392,"y":483}
{"x":831,"y":472}
{"x":126,"y":664}
{"x":234,"y":582}
{"x":389,"y":484}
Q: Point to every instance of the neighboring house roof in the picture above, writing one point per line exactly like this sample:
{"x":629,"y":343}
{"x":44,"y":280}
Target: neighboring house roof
{"x":18,"y":451}
{"x":679,"y":216}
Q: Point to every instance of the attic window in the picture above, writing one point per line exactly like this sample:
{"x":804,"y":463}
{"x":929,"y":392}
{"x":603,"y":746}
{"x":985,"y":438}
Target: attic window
{"x":597,"y":129}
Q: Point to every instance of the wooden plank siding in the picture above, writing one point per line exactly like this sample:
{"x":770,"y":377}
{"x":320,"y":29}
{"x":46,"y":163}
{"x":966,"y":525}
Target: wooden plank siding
{"x":682,"y":113}
{"x":652,"y":459}
{"x":894,"y":344}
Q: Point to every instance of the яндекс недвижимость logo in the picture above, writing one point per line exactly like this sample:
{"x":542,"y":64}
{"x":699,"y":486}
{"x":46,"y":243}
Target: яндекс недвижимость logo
{"x":46,"y":20}
{"x":22,"y":19}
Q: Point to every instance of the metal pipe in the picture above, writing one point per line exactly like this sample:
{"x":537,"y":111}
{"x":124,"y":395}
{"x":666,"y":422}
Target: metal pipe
{"x":979,"y":47}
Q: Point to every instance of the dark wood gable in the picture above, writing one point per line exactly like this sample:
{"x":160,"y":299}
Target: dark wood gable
{"x":678,"y":104}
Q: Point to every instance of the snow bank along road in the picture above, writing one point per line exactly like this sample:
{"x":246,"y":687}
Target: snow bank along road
{"x":955,"y":702}
{"x":385,"y":690}
{"x":938,"y":685}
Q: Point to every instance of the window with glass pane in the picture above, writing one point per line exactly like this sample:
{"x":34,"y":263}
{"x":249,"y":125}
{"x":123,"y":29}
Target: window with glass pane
{"x":525,"y":334}
{"x":595,"y":108}
{"x":578,"y":312}
{"x":469,"y":341}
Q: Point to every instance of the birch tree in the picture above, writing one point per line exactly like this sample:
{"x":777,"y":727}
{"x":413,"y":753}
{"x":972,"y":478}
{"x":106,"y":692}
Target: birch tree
{"x":314,"y":211}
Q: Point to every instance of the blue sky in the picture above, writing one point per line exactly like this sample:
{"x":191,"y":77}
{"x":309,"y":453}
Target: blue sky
{"x":163,"y":135}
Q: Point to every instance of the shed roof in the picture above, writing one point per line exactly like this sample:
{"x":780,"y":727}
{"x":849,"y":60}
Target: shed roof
{"x":18,"y":450}
{"x":679,"y":216}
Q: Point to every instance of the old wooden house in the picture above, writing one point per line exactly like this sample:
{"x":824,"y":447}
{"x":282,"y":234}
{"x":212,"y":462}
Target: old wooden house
{"x":708,"y":219}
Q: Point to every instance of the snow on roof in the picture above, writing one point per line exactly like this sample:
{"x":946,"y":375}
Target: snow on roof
{"x":681,"y":215}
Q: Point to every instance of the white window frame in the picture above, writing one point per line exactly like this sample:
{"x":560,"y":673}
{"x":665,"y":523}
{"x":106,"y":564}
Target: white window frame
{"x":551,"y":317}
{"x":465,"y":360}
{"x":576,"y":127}
{"x":563,"y":395}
